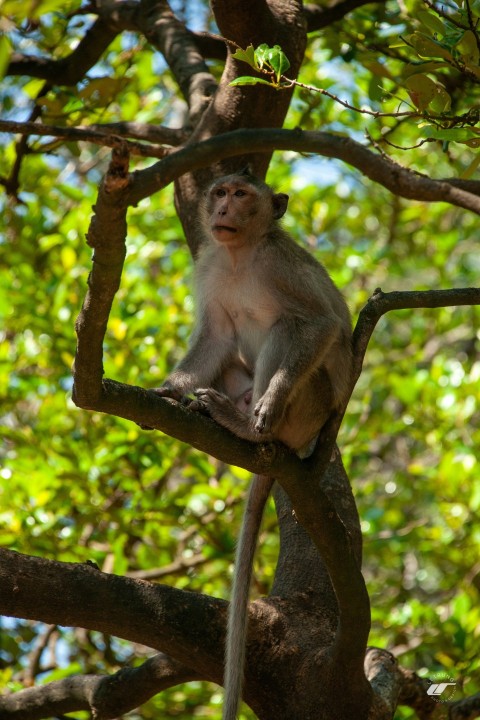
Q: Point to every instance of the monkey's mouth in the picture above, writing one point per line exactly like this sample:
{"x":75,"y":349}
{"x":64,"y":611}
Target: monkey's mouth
{"x":222,"y":228}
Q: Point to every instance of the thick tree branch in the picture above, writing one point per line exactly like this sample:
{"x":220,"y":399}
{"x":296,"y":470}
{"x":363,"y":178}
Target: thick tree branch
{"x":382,"y":672}
{"x":243,"y":22}
{"x":104,"y":696}
{"x":380,"y":169}
{"x":187,"y":626}
{"x":316,"y":18}
{"x":413,"y":694}
{"x":385,"y":171}
{"x":177,"y":45}
{"x":319,"y":17}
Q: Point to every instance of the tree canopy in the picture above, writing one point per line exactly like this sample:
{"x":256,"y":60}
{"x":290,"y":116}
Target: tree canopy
{"x":117,"y":542}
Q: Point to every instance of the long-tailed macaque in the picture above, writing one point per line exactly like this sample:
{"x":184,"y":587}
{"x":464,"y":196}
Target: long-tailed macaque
{"x":270,"y":356}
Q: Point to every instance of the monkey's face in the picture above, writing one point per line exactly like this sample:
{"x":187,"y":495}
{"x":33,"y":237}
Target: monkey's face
{"x":236,"y":209}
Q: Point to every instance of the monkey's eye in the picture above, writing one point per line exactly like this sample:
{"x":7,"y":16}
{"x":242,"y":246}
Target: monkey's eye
{"x":240,"y":193}
{"x":220,"y":192}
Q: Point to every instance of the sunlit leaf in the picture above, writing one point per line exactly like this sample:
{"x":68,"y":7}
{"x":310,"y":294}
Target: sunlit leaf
{"x":261,"y":55}
{"x":421,"y":89}
{"x":5,"y":51}
{"x":247,"y":55}
{"x":249,"y":80}
{"x":427,"y":47}
{"x":431,"y":21}
{"x":468,"y":48}
{"x":278,"y":60}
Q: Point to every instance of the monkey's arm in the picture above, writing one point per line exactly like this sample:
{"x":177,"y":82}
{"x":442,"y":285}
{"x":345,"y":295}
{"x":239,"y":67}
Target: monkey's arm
{"x":212,"y":346}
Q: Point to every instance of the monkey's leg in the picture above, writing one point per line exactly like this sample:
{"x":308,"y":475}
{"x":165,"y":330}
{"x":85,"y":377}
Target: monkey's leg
{"x":294,"y":349}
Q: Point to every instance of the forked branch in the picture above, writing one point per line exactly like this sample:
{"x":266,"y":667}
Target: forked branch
{"x":104,"y":696}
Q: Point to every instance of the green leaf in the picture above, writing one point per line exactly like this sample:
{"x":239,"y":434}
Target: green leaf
{"x":427,"y":47}
{"x":442,"y":101}
{"x":468,"y":48}
{"x":463,"y":135}
{"x":249,"y":80}
{"x":431,"y":21}
{"x":278,"y":61}
{"x":247,"y":56}
{"x":425,"y":67}
{"x":261,"y":53}
{"x":5,"y":50}
{"x":421,"y":89}
{"x":375,"y":89}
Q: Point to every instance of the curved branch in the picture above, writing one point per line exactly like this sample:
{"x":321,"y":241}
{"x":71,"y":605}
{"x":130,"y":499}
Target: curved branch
{"x":177,"y":45}
{"x":174,"y":163}
{"x":380,"y":169}
{"x":69,"y":70}
{"x":319,"y":17}
{"x":316,"y":18}
{"x":383,"y":674}
{"x":380,"y":303}
{"x":413,"y":693}
{"x":107,"y":696}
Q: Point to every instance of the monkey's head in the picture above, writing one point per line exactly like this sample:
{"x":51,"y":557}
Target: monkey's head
{"x":240,"y":209}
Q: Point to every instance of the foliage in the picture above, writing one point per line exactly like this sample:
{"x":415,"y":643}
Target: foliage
{"x":82,"y":487}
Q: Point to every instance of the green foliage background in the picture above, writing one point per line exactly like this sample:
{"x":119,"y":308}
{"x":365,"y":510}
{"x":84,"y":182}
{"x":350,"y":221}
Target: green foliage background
{"x":78,"y":486}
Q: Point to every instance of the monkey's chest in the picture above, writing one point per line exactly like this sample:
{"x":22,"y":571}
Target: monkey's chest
{"x":251,"y":311}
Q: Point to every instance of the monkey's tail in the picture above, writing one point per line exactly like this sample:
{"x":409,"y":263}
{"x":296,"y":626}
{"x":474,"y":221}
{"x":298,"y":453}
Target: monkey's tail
{"x":238,"y":610}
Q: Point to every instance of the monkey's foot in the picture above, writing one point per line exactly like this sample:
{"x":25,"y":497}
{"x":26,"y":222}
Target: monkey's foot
{"x":219,"y":406}
{"x":269,"y":412}
{"x":225,"y":413}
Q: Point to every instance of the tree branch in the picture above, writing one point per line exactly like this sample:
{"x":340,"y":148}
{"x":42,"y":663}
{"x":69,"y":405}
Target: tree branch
{"x":188,"y":626}
{"x":380,"y":303}
{"x":107,"y":696}
{"x":319,"y":17}
{"x":413,"y":694}
{"x":380,"y":169}
{"x":177,"y":45}
{"x":95,"y":134}
{"x":68,"y":70}
{"x":381,"y":670}
{"x":174,"y":163}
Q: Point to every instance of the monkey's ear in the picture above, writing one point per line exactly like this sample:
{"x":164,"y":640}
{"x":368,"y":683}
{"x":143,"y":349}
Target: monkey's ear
{"x":280,"y":202}
{"x":247,"y":171}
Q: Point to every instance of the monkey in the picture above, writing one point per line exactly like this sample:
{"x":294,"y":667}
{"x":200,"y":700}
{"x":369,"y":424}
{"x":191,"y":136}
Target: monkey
{"x":270,"y":356}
